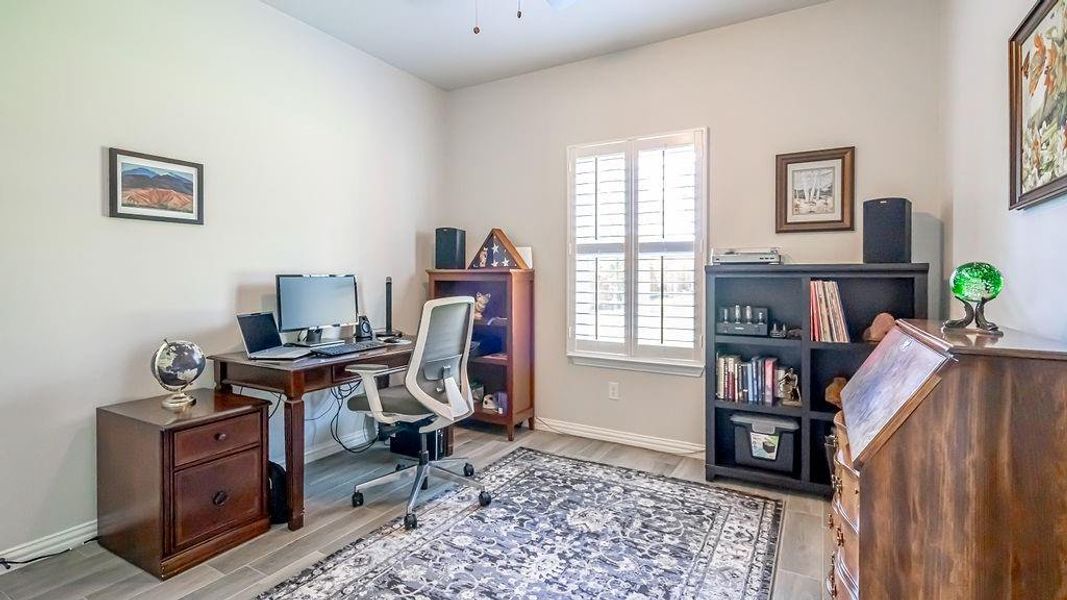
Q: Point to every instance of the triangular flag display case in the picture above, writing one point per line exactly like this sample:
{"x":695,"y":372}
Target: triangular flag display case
{"x":497,"y":252}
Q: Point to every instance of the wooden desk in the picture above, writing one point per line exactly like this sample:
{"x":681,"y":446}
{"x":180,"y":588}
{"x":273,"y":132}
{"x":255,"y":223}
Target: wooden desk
{"x":949,"y":475}
{"x":294,"y":379}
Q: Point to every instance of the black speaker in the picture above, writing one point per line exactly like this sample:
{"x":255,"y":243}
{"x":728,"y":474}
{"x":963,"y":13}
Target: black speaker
{"x":887,"y":230}
{"x":451,"y":248}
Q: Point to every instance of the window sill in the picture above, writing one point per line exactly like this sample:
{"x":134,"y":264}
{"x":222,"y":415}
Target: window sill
{"x":663,"y":367}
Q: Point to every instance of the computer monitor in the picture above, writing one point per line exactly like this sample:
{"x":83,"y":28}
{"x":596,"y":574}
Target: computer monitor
{"x":311,"y":302}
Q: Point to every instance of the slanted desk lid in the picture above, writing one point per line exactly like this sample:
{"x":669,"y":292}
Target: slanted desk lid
{"x":887,"y":388}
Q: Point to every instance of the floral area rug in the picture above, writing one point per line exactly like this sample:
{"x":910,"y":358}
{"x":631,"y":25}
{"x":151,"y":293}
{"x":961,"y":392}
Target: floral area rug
{"x":561,"y":528}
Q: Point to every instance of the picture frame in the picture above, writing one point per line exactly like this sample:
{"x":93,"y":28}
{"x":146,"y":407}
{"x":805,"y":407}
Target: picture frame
{"x":155,"y":188}
{"x":815,"y":191}
{"x":1037,"y":101}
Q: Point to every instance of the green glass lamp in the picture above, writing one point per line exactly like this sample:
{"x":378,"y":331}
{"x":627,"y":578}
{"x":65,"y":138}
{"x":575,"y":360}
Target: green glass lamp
{"x":975,"y":284}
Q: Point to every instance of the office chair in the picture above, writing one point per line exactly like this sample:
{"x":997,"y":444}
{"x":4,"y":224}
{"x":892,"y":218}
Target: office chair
{"x":435,"y":394}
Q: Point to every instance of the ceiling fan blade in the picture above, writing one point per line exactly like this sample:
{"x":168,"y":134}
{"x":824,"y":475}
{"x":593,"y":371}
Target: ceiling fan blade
{"x":560,"y":4}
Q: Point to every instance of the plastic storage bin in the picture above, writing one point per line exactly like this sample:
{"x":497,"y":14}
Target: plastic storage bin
{"x":765,"y":442}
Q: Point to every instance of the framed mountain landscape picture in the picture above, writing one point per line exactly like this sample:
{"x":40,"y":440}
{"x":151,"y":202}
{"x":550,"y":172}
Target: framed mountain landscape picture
{"x":155,"y":188}
{"x":1038,"y":106}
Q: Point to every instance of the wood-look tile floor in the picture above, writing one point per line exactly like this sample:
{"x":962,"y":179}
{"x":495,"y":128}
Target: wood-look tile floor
{"x":92,"y":573}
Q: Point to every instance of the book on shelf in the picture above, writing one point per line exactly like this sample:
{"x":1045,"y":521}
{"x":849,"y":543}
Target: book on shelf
{"x":752,"y":381}
{"x":828,"y":323}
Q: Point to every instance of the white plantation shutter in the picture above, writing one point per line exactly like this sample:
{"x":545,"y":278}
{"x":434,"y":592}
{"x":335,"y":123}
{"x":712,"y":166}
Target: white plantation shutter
{"x":636,"y":250}
{"x":600,"y":224}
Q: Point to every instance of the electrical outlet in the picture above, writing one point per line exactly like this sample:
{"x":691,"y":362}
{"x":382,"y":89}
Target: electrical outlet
{"x":613,"y":390}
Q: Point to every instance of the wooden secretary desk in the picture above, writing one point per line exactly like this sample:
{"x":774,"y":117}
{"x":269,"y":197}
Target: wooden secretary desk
{"x":950,"y":472}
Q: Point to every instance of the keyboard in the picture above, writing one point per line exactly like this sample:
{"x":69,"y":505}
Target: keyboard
{"x":351,"y":348}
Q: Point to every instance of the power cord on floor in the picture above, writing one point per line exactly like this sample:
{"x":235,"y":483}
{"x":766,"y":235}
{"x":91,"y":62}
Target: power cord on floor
{"x":8,"y":564}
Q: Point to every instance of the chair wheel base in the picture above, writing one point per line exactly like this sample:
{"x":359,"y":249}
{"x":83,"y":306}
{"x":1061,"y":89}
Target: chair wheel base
{"x":468,"y":470}
{"x":411,"y":521}
{"x":485,"y":498}
{"x":357,"y":499}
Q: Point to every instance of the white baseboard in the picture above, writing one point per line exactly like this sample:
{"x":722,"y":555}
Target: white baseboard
{"x":75,"y":536}
{"x":330,"y":447}
{"x":624,"y":437}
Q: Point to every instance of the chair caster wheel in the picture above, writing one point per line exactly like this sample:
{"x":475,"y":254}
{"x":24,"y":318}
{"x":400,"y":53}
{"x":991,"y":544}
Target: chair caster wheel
{"x":468,"y":470}
{"x":357,"y":499}
{"x":399,"y":468}
{"x":485,"y":498}
{"x":411,"y":521}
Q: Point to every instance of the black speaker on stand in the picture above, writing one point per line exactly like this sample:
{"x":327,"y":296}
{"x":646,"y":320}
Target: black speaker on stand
{"x":389,"y":331}
{"x":451,"y":248}
{"x":887,"y":230}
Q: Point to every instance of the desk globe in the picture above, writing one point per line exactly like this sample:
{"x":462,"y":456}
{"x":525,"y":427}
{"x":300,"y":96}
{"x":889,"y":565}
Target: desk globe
{"x":176,"y":365}
{"x":975,"y":284}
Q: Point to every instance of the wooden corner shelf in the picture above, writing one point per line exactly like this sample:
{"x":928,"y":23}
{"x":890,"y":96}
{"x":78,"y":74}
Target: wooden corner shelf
{"x":866,"y":290}
{"x":508,"y":347}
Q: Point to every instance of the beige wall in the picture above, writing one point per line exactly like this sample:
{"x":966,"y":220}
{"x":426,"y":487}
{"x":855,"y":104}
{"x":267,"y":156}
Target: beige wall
{"x":317,"y":158}
{"x":849,"y":72}
{"x":1028,"y":246}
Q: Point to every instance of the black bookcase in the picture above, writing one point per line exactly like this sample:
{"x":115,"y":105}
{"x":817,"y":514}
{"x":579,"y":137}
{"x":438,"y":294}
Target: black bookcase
{"x":866,"y":290}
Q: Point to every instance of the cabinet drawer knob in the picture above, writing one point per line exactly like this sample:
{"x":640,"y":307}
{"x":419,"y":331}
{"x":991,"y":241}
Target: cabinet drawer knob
{"x":221,"y":436}
{"x":220,"y":498}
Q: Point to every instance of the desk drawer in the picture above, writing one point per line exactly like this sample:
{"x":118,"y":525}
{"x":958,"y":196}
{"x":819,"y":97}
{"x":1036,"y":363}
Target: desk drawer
{"x":214,"y":439}
{"x":847,"y":491}
{"x":215,"y":496}
{"x":838,"y":585}
{"x":847,"y":542}
{"x":841,"y":431}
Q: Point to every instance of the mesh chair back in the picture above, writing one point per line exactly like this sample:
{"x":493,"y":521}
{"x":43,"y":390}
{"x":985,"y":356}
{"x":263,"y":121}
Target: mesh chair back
{"x":441,"y":352}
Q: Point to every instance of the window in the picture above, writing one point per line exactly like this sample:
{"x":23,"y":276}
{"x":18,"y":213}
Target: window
{"x":636,"y":253}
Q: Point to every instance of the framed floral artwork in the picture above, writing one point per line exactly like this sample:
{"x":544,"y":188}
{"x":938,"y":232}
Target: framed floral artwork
{"x":815,"y":191}
{"x":1038,"y":106}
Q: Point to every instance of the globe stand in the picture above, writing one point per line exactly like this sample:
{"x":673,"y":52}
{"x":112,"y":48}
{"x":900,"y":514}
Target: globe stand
{"x":179,"y":400}
{"x":976,"y":316}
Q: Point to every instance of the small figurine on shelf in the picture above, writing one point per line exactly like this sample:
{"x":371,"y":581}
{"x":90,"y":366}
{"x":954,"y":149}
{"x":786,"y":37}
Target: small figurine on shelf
{"x":879,"y":328}
{"x":481,"y":301}
{"x":789,"y":388}
{"x":833,"y":391}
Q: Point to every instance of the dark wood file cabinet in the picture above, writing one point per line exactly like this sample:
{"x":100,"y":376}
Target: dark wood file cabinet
{"x":176,"y":488}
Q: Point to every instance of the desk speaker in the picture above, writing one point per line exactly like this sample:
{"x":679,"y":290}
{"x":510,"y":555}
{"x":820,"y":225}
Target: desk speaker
{"x":451,"y":248}
{"x":887,"y":230}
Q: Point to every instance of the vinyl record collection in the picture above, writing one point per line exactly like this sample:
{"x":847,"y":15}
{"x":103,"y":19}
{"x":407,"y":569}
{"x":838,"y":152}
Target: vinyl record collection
{"x":827,"y":314}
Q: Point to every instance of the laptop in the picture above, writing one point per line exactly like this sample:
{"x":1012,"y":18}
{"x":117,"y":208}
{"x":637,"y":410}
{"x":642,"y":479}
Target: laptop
{"x":262,"y":340}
